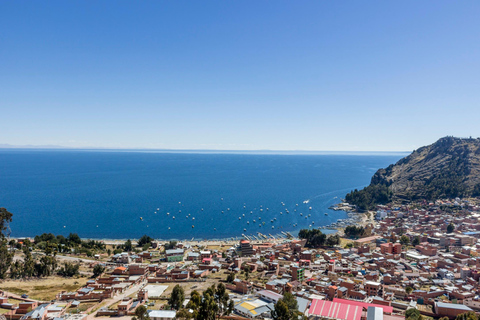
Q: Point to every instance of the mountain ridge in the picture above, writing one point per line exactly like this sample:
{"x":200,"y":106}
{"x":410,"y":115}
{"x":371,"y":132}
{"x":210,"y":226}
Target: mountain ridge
{"x":448,"y":168}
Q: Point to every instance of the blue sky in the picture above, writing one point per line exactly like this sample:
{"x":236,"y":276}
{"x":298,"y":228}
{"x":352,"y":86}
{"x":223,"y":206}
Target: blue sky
{"x":244,"y":75}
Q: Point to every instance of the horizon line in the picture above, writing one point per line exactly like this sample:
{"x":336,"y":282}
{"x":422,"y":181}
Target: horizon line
{"x":171,"y":150}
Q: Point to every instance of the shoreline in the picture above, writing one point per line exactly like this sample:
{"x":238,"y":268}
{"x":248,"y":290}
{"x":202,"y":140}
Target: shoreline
{"x":337,"y":227}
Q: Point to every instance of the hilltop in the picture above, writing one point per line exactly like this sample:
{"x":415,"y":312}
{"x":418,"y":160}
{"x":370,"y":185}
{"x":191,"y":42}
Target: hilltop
{"x":448,"y":168}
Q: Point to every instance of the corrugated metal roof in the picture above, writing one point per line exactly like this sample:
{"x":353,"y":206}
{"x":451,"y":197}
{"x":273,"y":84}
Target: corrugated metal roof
{"x":453,"y":306}
{"x":365,"y":305}
{"x":335,"y":310}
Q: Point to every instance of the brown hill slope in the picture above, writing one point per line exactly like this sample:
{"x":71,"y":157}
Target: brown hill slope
{"x":447,"y":168}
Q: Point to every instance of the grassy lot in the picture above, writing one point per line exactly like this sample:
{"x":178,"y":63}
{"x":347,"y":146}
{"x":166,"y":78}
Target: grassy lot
{"x":43,"y":289}
{"x":14,"y":301}
{"x":81,"y":308}
{"x":100,"y":305}
{"x":214,"y":247}
{"x":427,"y":308}
{"x":344,"y":242}
{"x":158,"y":304}
{"x":115,"y":305}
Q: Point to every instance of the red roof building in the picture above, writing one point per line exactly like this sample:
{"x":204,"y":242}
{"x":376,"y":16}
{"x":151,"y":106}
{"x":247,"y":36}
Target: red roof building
{"x":334,"y":310}
{"x":386,"y":309}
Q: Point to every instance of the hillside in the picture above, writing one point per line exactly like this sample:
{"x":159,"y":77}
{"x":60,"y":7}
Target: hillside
{"x":447,"y":168}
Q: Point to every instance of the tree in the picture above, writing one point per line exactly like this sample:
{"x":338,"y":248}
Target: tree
{"x":404,"y":240}
{"x":416,"y":241}
{"x":141,"y":313}
{"x":231,"y":277}
{"x":408,"y":290}
{"x":281,"y":311}
{"x":195,"y":299}
{"x":208,"y":308}
{"x":5,"y":219}
{"x":16,"y":270}
{"x":333,"y":240}
{"x":6,"y":257}
{"x":69,"y":269}
{"x":184,"y":314}
{"x":222,"y":300}
{"x":291,"y":301}
{"x":369,"y":197}
{"x":176,"y":298}
{"x":194,"y":303}
{"x":467,"y":316}
{"x":28,"y":264}
{"x":354,"y":231}
{"x":450,"y":228}
{"x":46,"y":266}
{"x":127,"y":246}
{"x":73,"y":239}
{"x":27,"y":243}
{"x":144,"y":240}
{"x":231,"y":306}
{"x":210,"y":290}
{"x":170,"y":245}
{"x":247,"y":272}
{"x":413,"y":314}
{"x":98,"y":270}
{"x":315,"y":238}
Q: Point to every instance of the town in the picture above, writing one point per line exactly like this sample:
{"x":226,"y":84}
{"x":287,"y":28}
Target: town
{"x":416,"y":260}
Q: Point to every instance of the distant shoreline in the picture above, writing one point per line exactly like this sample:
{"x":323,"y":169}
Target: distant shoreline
{"x":211,"y":240}
{"x":205,"y":151}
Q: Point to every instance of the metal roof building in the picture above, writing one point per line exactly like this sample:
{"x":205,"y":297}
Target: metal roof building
{"x":334,"y":310}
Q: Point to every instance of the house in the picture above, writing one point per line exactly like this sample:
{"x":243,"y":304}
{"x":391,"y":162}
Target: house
{"x":254,"y":308}
{"x":142,"y":295}
{"x":137,"y":269}
{"x":124,"y":306}
{"x":174,"y":255}
{"x":39,"y":313}
{"x":122,"y":258}
{"x":449,"y":309}
{"x":162,"y":314}
{"x":120,"y":271}
{"x":246,"y":248}
{"x":193,"y":256}
{"x":269,"y":296}
{"x":205,"y":254}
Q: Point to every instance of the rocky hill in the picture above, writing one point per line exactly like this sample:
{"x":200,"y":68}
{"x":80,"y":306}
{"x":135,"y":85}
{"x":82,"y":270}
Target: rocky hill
{"x":446,"y":169}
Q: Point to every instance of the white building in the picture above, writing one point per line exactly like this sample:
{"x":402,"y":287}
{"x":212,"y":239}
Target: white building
{"x":162,"y":314}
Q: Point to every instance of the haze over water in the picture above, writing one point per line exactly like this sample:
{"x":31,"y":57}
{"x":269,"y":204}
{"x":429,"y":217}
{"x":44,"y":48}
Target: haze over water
{"x":115,"y":195}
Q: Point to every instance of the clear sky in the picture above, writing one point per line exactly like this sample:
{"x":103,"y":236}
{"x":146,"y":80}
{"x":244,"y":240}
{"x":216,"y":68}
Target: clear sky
{"x":241,"y":75}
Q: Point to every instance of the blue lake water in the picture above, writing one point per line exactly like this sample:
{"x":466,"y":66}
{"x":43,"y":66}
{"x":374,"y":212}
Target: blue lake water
{"x":120,"y":195}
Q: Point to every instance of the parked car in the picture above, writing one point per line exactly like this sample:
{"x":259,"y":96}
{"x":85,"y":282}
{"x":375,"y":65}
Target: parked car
{"x":24,"y":296}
